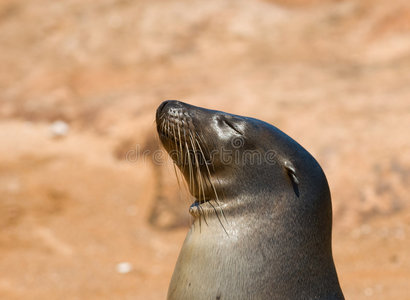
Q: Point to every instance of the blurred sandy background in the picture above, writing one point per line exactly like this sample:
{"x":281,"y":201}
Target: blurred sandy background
{"x":79,"y":84}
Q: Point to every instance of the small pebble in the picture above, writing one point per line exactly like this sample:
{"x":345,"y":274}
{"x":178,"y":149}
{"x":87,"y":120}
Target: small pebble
{"x":59,"y":128}
{"x":124,"y":267}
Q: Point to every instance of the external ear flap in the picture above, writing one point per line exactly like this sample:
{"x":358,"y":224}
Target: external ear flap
{"x":291,"y":171}
{"x":290,"y":168}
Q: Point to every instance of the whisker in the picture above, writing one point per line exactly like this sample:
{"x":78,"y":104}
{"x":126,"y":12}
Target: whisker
{"x":214,"y":189}
{"x":199,"y":178}
{"x":180,"y":148}
{"x":191,"y":173}
{"x":209,"y":153}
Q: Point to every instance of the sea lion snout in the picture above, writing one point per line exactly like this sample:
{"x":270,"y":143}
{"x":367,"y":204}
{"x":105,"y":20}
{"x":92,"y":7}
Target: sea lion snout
{"x":172,"y":121}
{"x":171,"y":107}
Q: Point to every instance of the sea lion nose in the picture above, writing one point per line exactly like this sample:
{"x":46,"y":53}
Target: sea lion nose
{"x":169,"y":106}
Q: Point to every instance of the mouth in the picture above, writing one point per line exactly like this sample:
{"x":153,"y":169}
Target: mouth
{"x":195,"y":209}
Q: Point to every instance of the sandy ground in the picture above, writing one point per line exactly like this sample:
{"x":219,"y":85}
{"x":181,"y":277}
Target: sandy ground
{"x":335,"y":75}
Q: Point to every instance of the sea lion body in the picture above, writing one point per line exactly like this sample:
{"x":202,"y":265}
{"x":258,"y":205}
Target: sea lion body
{"x":262,"y":219}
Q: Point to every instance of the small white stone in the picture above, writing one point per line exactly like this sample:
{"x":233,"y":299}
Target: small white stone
{"x":59,"y":128}
{"x":124,"y":267}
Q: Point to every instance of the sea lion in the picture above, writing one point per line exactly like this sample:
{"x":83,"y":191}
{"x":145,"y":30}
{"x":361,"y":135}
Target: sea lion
{"x":262,"y":215}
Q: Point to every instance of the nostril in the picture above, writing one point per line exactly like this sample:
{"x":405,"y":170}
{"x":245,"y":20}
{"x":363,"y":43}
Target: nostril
{"x":161,"y":106}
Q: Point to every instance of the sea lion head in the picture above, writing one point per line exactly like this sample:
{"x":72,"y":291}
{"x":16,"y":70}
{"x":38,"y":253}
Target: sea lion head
{"x":228,"y":160}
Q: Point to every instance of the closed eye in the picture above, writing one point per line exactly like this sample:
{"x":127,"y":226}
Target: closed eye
{"x":232,"y":126}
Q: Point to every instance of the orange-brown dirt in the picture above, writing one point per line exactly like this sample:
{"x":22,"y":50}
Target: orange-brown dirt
{"x":335,"y":75}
